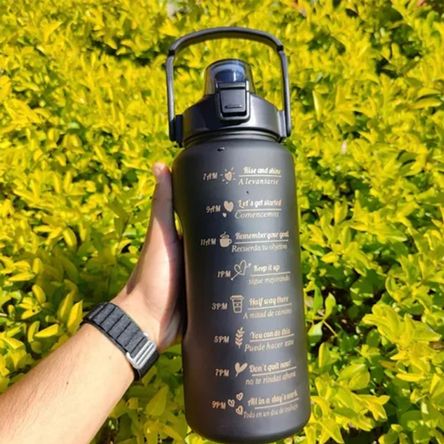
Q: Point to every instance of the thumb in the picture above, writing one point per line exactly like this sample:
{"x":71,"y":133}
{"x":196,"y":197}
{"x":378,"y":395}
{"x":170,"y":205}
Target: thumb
{"x":162,"y":213}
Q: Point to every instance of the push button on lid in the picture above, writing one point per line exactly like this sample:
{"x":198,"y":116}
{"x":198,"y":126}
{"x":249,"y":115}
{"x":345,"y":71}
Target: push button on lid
{"x":233,"y":101}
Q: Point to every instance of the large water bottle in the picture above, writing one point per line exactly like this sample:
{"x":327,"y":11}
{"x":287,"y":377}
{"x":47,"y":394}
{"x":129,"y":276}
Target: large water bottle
{"x":244,"y":349}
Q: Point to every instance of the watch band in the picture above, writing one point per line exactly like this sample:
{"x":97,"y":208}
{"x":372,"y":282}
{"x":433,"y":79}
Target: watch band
{"x":138,"y":348}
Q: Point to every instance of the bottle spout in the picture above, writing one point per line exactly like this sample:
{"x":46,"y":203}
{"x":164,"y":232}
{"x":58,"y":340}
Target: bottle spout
{"x":230,"y":82}
{"x":226,"y":72}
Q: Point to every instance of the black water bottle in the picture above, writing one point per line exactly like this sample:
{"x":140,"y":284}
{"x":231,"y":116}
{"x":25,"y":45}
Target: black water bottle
{"x":244,"y":349}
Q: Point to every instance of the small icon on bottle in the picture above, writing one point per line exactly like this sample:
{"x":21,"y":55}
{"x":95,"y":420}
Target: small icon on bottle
{"x":225,"y":240}
{"x":237,"y":301}
{"x":240,"y":410}
{"x":240,"y":269}
{"x":240,"y":396}
{"x":228,"y":175}
{"x":228,"y":207}
{"x":239,"y":368}
{"x":239,"y":337}
{"x":231,"y":402}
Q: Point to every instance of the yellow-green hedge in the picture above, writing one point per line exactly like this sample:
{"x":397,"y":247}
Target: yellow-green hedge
{"x":83,"y":117}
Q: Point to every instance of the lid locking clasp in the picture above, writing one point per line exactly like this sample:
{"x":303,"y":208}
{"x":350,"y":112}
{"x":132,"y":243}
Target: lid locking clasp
{"x":234,"y":100}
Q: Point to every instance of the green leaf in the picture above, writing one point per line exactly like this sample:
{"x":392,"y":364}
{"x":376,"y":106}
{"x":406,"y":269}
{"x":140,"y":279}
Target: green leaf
{"x":332,"y":428}
{"x":340,"y":212}
{"x":75,"y":317}
{"x":65,"y":308}
{"x":315,"y":333}
{"x":323,"y":355}
{"x":356,"y":376}
{"x":22,"y":277}
{"x":427,"y":102}
{"x":39,"y":294}
{"x":330,"y":304}
{"x":70,"y":238}
{"x":317,"y":300}
{"x":157,"y":404}
{"x":169,"y":431}
{"x":48,"y":332}
{"x":32,"y":330}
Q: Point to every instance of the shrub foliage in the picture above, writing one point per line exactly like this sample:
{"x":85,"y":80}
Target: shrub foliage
{"x":83,"y":116}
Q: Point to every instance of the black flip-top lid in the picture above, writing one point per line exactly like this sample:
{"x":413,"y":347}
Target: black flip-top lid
{"x":229,"y":103}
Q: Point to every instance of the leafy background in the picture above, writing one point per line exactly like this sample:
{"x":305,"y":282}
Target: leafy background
{"x":83,"y":117}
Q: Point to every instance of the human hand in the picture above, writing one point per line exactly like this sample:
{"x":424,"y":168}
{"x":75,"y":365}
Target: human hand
{"x":150,"y":296}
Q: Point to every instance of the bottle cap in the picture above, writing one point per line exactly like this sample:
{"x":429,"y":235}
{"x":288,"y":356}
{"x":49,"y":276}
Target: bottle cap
{"x":227,"y":71}
{"x":229,"y":104}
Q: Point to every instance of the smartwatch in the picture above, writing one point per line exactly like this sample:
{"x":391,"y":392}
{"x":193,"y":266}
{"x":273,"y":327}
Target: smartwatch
{"x":117,"y":326}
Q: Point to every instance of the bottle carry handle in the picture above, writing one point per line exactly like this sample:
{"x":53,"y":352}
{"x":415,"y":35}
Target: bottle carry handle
{"x":219,"y":33}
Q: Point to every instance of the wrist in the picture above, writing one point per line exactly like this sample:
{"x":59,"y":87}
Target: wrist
{"x":121,"y":329}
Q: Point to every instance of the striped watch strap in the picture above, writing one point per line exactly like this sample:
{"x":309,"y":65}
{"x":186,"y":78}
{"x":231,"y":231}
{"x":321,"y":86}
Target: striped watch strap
{"x":138,"y":348}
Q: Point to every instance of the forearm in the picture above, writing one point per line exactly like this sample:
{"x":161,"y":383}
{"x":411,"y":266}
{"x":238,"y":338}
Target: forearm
{"x":68,"y":396}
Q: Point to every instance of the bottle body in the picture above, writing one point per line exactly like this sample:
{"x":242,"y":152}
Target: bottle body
{"x":244,"y":349}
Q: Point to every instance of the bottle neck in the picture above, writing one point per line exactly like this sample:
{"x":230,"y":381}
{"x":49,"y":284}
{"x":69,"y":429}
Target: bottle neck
{"x":217,"y":136}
